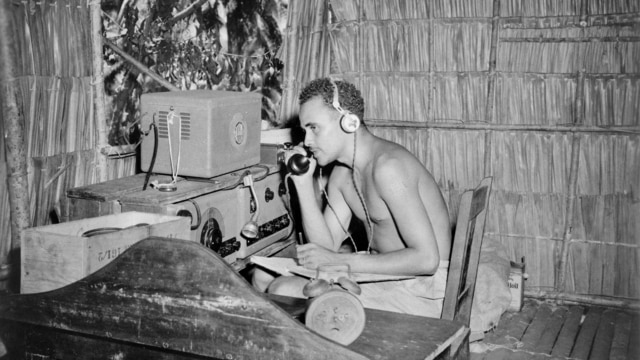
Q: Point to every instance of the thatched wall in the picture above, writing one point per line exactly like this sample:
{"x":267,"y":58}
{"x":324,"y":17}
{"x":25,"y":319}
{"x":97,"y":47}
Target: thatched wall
{"x":54,"y":91}
{"x":542,"y":95}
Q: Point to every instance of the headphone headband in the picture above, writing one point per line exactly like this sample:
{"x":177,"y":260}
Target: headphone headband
{"x":349,"y":121}
{"x":336,"y":97}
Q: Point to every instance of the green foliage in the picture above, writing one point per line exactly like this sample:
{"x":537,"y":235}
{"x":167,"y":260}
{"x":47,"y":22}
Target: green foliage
{"x":193,"y":44}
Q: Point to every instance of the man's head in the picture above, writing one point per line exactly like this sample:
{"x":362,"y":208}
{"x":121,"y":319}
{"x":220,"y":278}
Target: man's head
{"x":349,"y":97}
{"x":324,"y":135}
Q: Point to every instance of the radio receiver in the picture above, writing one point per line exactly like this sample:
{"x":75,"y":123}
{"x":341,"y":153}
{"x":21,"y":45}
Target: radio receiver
{"x":201,"y":133}
{"x":219,"y":217}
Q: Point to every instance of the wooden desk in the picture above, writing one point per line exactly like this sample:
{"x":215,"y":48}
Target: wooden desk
{"x":174,"y":299}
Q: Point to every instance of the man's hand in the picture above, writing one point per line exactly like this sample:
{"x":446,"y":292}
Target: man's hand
{"x":311,"y":256}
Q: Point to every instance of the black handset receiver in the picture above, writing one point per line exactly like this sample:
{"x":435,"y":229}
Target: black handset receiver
{"x":298,"y":164}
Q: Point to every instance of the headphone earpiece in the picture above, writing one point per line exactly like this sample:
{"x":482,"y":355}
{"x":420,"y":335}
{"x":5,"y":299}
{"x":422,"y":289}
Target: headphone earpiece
{"x":348,"y":122}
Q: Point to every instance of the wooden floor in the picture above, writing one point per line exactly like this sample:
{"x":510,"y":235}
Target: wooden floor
{"x":547,"y":331}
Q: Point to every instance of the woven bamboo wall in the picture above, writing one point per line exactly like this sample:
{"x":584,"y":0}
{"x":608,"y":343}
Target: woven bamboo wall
{"x":542,"y":95}
{"x":55,"y":96}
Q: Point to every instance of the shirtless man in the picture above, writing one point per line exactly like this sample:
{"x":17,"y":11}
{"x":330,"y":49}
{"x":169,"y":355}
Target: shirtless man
{"x":396,"y":198}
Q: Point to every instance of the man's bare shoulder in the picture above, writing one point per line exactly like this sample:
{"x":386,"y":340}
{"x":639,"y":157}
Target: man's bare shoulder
{"x":339,"y":175}
{"x":395,"y":162}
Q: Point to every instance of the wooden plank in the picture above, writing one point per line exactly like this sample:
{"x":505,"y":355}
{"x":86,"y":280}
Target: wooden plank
{"x":569,"y":332}
{"x":457,"y":266}
{"x":31,"y":342}
{"x":112,"y":189}
{"x":602,"y":342}
{"x":513,"y":325}
{"x":534,"y":331}
{"x":588,"y":330}
{"x":620,"y":342}
{"x":82,"y":209}
{"x":550,"y":334}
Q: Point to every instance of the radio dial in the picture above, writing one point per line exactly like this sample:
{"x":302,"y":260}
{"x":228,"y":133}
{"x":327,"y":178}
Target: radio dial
{"x":211,"y":235}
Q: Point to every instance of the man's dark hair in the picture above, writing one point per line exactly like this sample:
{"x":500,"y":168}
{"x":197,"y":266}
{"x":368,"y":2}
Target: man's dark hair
{"x":349,"y":97}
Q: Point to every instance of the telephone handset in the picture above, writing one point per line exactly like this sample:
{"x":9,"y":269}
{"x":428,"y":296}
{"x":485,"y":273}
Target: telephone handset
{"x":298,"y":164}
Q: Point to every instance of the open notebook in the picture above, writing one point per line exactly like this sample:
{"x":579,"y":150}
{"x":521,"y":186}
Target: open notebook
{"x":289,"y":267}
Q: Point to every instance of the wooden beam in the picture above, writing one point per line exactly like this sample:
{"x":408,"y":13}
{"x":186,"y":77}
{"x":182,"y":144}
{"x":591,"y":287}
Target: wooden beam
{"x":99,"y":115}
{"x":17,"y":180}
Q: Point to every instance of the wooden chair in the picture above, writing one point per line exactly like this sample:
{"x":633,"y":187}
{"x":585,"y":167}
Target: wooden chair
{"x":465,"y":256}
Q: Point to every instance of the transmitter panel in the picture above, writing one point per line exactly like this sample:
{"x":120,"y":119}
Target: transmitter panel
{"x":218,"y":217}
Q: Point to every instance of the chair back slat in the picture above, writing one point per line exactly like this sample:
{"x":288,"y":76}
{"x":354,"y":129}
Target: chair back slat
{"x":465,"y":254}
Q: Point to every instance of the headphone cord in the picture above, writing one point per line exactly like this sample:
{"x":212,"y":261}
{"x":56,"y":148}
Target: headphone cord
{"x":326,"y":196}
{"x":364,"y":205}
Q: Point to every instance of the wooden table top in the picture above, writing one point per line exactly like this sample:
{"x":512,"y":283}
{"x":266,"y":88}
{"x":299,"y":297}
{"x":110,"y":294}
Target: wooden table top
{"x":175,"y":296}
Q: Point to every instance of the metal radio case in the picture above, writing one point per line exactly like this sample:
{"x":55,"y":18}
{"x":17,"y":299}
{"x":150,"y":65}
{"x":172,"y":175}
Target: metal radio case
{"x":217,"y":217}
{"x":202,"y":133}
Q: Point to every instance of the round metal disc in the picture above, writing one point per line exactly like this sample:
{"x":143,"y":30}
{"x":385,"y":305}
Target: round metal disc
{"x":337,"y":315}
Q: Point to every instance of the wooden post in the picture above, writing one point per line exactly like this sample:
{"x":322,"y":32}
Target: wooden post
{"x":316,"y":36}
{"x":17,"y":180}
{"x":360,"y":45}
{"x":491,"y":86}
{"x":289,"y":78}
{"x":98,"y":94}
{"x":432,"y":77}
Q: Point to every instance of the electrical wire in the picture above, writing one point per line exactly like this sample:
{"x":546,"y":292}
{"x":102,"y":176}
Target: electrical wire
{"x":247,"y":173}
{"x":266,"y":171}
{"x":155,"y":152}
{"x":237,"y":183}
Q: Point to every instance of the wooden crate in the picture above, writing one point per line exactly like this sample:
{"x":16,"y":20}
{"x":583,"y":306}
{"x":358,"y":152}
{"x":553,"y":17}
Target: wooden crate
{"x":53,"y":256}
{"x":102,"y":198}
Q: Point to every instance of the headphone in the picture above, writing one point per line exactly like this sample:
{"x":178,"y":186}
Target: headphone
{"x":349,"y":122}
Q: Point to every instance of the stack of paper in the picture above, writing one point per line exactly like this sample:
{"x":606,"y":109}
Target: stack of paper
{"x":289,"y":267}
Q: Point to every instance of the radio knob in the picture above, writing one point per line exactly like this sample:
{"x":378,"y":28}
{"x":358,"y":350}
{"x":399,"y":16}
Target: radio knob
{"x":269,"y":195}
